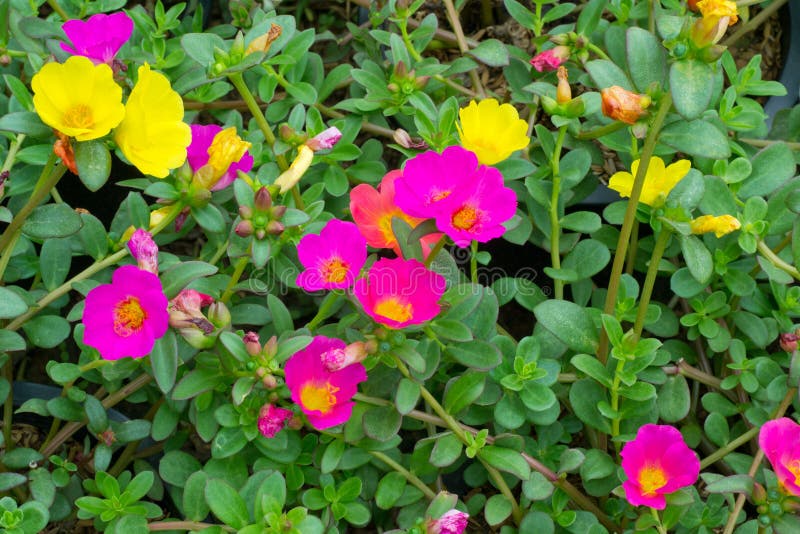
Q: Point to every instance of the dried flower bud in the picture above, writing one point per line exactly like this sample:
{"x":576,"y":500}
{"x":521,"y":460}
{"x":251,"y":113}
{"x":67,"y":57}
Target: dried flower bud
{"x":272,"y":419}
{"x":563,"y":91}
{"x":63,"y":149}
{"x":263,"y":42}
{"x":551,"y":59}
{"x":623,"y":105}
{"x":325,"y":139}
{"x":3,"y":178}
{"x":5,"y":60}
{"x":185,"y":311}
{"x":144,"y":250}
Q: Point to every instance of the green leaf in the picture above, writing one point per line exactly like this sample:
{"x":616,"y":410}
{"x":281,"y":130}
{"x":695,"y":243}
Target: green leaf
{"x":584,"y":396}
{"x":94,"y":163}
{"x":497,"y":509}
{"x":389,"y":490}
{"x":164,"y":360}
{"x":451,"y":329}
{"x":696,"y":138}
{"x":491,"y":52}
{"x":674,"y":399}
{"x":209,"y":218}
{"x":178,"y":277}
{"x":698,"y":258}
{"x":194,"y":503}
{"x":55,"y":259}
{"x":585,"y":222}
{"x":691,"y":84}
{"x":25,"y":122}
{"x":570,"y":323}
{"x":591,"y":366}
{"x":304,"y":92}
{"x":281,"y":318}
{"x":536,"y":396}
{"x":196,"y":382}
{"x":47,"y":331}
{"x":772,"y":167}
{"x":332,"y":455}
{"x":200,"y":47}
{"x":590,"y":16}
{"x":20,"y":91}
{"x":463,"y":391}
{"x":93,"y":236}
{"x":732,"y":484}
{"x":446,"y":450}
{"x":52,"y":220}
{"x":226,"y":503}
{"x":407,"y":396}
{"x":21,"y":458}
{"x":506,"y":460}
{"x":11,"y":305}
{"x":11,"y":480}
{"x":647,"y":62}
{"x":606,"y":73}
{"x":382,"y":422}
{"x":177,"y":466}
{"x":477,"y":354}
{"x":588,"y":258}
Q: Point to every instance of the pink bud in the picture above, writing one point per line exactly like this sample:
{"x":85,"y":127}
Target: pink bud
{"x":788,"y":342}
{"x":185,"y":311}
{"x":252,"y":344}
{"x":452,"y":522}
{"x":144,"y":250}
{"x":272,"y":419}
{"x":326,"y":139}
{"x":336,"y":359}
{"x":263,"y":200}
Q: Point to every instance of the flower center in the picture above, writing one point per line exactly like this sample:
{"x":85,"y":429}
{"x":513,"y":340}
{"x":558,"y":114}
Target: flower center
{"x":441,"y":195}
{"x":794,"y":468}
{"x":652,"y":478}
{"x":320,"y":398}
{"x":392,"y":308}
{"x":385,"y":225}
{"x":465,"y":218}
{"x":79,"y":116}
{"x":129,"y":316}
{"x":334,"y":271}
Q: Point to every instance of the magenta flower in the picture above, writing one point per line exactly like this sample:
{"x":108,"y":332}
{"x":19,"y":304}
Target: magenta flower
{"x":431,"y":182}
{"x":99,"y":38}
{"x":657,"y":462}
{"x":197,"y":154}
{"x":550,"y":59}
{"x":333,"y":259}
{"x":144,"y":250}
{"x":451,"y":522}
{"x":272,"y":419}
{"x":399,"y":293}
{"x":324,"y":396}
{"x":780,"y":441}
{"x":480,"y":215}
{"x":125,"y":317}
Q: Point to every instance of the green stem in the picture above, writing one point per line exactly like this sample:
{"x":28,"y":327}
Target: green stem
{"x":614,"y":393}
{"x":651,"y":25}
{"x":50,"y":176}
{"x":435,"y":250}
{"x":8,"y":406}
{"x":5,"y":255}
{"x":769,"y":142}
{"x":325,"y":308}
{"x":408,"y":475}
{"x":659,"y":525}
{"x":58,"y":9}
{"x":598,"y":51}
{"x":650,"y":279}
{"x":630,"y":216}
{"x":755,"y":22}
{"x":600,"y":131}
{"x":473,"y":262}
{"x":241,"y":264}
{"x":403,"y":25}
{"x":775,"y":260}
{"x":633,"y":249}
{"x":555,"y":228}
{"x":181,"y":526}
{"x":13,"y":148}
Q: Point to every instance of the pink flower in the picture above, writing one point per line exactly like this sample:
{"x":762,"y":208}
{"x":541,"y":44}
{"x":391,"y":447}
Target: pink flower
{"x":337,"y":359}
{"x":144,"y":250}
{"x":657,"y":462}
{"x":99,"y":37}
{"x":323,"y":396}
{"x":125,"y":317}
{"x":399,"y":293}
{"x":197,"y":154}
{"x":431,"y":182}
{"x":325,"y":139}
{"x":480,"y":215}
{"x":272,"y":419}
{"x":333,"y":259}
{"x":780,"y":441}
{"x":550,"y":59}
{"x":452,"y":522}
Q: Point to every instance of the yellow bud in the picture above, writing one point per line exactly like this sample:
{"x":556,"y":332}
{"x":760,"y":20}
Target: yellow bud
{"x":296,"y":170}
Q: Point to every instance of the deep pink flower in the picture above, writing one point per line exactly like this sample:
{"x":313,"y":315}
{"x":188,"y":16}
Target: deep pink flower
{"x":399,"y":293}
{"x":125,"y":317}
{"x":99,"y":37}
{"x":780,"y":441}
{"x":550,"y":59}
{"x":431,"y":182}
{"x":324,"y":396}
{"x":451,"y":522}
{"x":333,"y":259}
{"x":479,"y":216}
{"x":272,"y":419}
{"x":657,"y":462}
{"x":197,"y":154}
{"x":144,"y":250}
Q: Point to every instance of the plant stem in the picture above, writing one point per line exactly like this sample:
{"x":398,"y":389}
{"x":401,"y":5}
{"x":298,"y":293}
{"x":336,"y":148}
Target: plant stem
{"x":193,"y":526}
{"x":473,"y":262}
{"x":614,"y":393}
{"x":769,"y":142}
{"x":455,"y":23}
{"x":630,"y":263}
{"x":755,"y":22}
{"x":630,"y":216}
{"x":600,"y":131}
{"x":408,"y":475}
{"x":599,"y":52}
{"x":659,"y":525}
{"x":775,"y":260}
{"x":650,"y":279}
{"x":13,"y":148}
{"x":435,"y":250}
{"x":5,"y":255}
{"x":328,"y":303}
{"x":403,"y":25}
{"x":8,"y":406}
{"x":555,"y":228}
{"x":58,"y":9}
{"x":241,"y":264}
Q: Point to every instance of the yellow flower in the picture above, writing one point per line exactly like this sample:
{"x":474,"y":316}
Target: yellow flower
{"x":658,"y":181}
{"x":296,"y":170}
{"x":153,"y":135}
{"x":717,"y":9}
{"x":492,"y":131}
{"x":226,"y":148}
{"x":721,"y":225}
{"x":78,"y":98}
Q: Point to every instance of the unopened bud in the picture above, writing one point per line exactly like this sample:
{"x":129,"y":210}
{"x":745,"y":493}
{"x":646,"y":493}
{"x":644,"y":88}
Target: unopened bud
{"x":400,"y":70}
{"x":244,"y":229}
{"x":563,"y":91}
{"x":278,"y":212}
{"x":5,"y":60}
{"x":421,"y":81}
{"x":263,"y":200}
{"x":788,"y":342}
{"x":275,"y":228}
{"x":271,"y":347}
{"x":252,"y":344}
{"x":219,"y":314}
{"x":759,"y":493}
{"x":269,"y":381}
{"x":623,"y":105}
{"x":286,"y":132}
{"x":325,"y":139}
{"x":295,"y":423}
{"x":245,"y":212}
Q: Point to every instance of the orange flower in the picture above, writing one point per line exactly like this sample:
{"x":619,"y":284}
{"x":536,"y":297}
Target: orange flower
{"x":623,"y":105}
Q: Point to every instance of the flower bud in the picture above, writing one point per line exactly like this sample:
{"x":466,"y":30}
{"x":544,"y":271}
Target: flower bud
{"x":789,"y":341}
{"x":185,"y":311}
{"x":623,"y":105}
{"x":252,"y":344}
{"x":63,"y":149}
{"x":144,"y":250}
{"x":277,"y":212}
{"x":325,"y":139}
{"x":272,"y":419}
{"x":452,"y":522}
{"x":296,"y":170}
{"x":245,"y":212}
{"x":271,"y":347}
{"x":563,"y":91}
{"x":263,"y":200}
{"x":337,"y":359}
{"x":551,"y":59}
{"x":5,"y":60}
{"x":275,"y":228}
{"x":759,"y":493}
{"x":269,"y":381}
{"x":244,"y":228}
{"x":219,"y":314}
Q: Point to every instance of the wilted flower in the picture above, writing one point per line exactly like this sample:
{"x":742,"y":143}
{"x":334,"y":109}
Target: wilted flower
{"x":563,"y":90}
{"x":264,"y":41}
{"x":491,"y":130}
{"x":658,"y":182}
{"x":400,"y":293}
{"x":99,"y":38}
{"x":337,"y":359}
{"x":623,"y":105}
{"x":78,"y":98}
{"x":550,"y":59}
{"x":186,"y":316}
{"x":325,"y":139}
{"x":272,"y":419}
{"x":63,"y":149}
{"x":153,"y":135}
{"x":226,"y":162}
{"x":716,"y":9}
{"x":324,"y":396}
{"x":451,"y":522}
{"x":296,"y":170}
{"x":332,"y":259}
{"x":720,"y":225}
{"x":780,"y":441}
{"x":125,"y":317}
{"x":657,"y":462}
{"x":788,"y":341}
{"x":144,"y":250}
